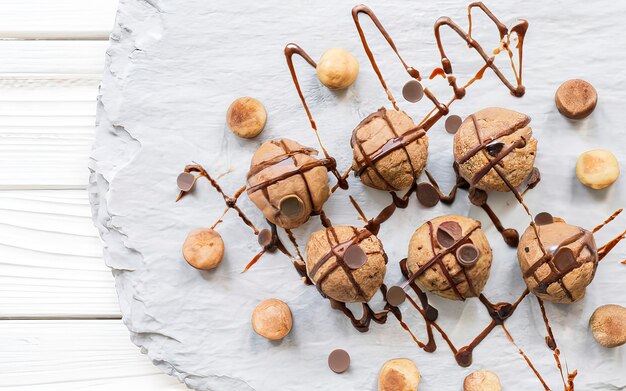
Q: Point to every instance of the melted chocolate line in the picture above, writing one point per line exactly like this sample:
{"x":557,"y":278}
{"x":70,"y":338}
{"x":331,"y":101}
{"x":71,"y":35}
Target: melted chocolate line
{"x":257,"y":168}
{"x":307,"y":166}
{"x":451,"y":281}
{"x":606,"y":249}
{"x":520,"y":143}
{"x":550,"y":341}
{"x":290,"y":50}
{"x":611,"y":218}
{"x":414,"y":73}
{"x":285,"y":148}
{"x":526,"y":358}
{"x":450,"y":197}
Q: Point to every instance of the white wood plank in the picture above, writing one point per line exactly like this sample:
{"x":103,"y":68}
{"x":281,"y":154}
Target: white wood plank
{"x":46,"y":134}
{"x":75,"y":355}
{"x":66,"y":16}
{"x":51,"y":263}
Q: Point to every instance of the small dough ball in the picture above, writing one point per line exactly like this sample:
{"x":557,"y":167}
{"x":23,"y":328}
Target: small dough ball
{"x":597,"y":169}
{"x":272,"y":319}
{"x":399,"y":374}
{"x":327,"y":265}
{"x":246,"y":117}
{"x":337,"y":69}
{"x":482,"y":381}
{"x":442,"y":238}
{"x":484,"y":138}
{"x":576,"y":99}
{"x":389,"y":151}
{"x":608,"y":325}
{"x":203,"y":249}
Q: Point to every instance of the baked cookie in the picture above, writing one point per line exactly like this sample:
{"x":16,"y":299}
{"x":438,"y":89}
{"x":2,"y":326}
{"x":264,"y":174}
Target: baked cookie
{"x":452,"y":256}
{"x":347,"y":264}
{"x":495,"y":149}
{"x":389,"y":150}
{"x":287,"y":182}
{"x":559,"y":266}
{"x":399,"y":374}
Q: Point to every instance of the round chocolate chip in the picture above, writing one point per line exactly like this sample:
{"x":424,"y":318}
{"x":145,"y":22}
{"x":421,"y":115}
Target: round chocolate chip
{"x":354,"y":257}
{"x":265,"y":237}
{"x":453,"y":123}
{"x":185,"y":181}
{"x":448,"y":233}
{"x":291,"y":206}
{"x":565,"y":260}
{"x":339,"y":361}
{"x":494,"y":148}
{"x":477,"y":197}
{"x":467,"y":255}
{"x":413,"y":91}
{"x":395,"y":296}
{"x":544,"y":218}
{"x":427,"y":194}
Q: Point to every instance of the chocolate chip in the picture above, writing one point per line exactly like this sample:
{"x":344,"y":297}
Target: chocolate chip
{"x":494,"y":148}
{"x":453,"y":123}
{"x":395,"y":296}
{"x":534,"y":178}
{"x":448,"y":233}
{"x":354,"y":257}
{"x":427,"y":194}
{"x":467,"y":254}
{"x":265,"y":237}
{"x":544,"y":218}
{"x":185,"y":181}
{"x":413,"y":91}
{"x":511,"y":237}
{"x":565,"y":260}
{"x":339,"y":361}
{"x":291,"y":206}
{"x":477,"y":197}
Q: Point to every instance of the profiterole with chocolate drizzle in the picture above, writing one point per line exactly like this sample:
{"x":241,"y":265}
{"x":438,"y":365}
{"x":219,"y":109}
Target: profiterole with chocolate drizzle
{"x":449,"y":256}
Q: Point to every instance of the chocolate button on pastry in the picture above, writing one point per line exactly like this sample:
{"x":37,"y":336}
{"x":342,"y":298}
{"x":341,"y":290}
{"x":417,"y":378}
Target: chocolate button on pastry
{"x":389,"y":150}
{"x":576,"y":99}
{"x":451,"y":256}
{"x":347,"y":264}
{"x":287,"y":182}
{"x":203,"y":249}
{"x":399,"y":374}
{"x":493,"y":147}
{"x":560,"y":265}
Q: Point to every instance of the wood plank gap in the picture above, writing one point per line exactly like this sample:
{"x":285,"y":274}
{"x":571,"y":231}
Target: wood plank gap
{"x":54,"y":36}
{"x":62,"y":317}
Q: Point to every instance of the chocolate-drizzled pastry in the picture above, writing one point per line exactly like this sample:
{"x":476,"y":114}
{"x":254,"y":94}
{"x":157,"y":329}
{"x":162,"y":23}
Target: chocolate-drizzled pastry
{"x":347,"y":264}
{"x":389,"y":149}
{"x":493,"y":147}
{"x":287,"y":182}
{"x":451,"y":257}
{"x":559,"y":266}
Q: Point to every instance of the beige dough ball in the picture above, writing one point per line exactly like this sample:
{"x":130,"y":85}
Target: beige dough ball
{"x":347,"y":264}
{"x":608,"y":325}
{"x":597,"y":169}
{"x":482,"y":381}
{"x":272,"y":319}
{"x":203,"y":249}
{"x":287,"y":182}
{"x":337,"y":69}
{"x":400,"y":374}
{"x":246,"y":117}
{"x":389,"y":152}
{"x":499,"y":136}
{"x":456,"y":243}
{"x":569,"y":264}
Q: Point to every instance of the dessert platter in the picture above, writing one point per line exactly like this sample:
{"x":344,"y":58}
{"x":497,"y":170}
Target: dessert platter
{"x":434,"y":203}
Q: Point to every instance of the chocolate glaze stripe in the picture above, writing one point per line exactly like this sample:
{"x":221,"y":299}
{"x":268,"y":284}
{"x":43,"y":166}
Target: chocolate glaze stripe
{"x":519,"y":143}
{"x":298,"y":171}
{"x":285,"y":148}
{"x":290,"y":50}
{"x":453,"y":283}
{"x":527,"y":359}
{"x":257,"y":168}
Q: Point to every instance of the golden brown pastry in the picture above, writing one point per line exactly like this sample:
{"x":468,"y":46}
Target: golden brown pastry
{"x":494,"y":146}
{"x":608,"y":325}
{"x":272,"y":319}
{"x":576,"y":99}
{"x":559,"y":267}
{"x":337,"y":69}
{"x":389,"y":150}
{"x":203,"y":249}
{"x":399,"y":374}
{"x":482,"y":381}
{"x":453,"y":256}
{"x":246,"y":117}
{"x":347,"y":264}
{"x":287,"y":182}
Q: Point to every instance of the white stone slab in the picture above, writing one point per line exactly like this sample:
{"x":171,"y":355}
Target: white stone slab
{"x":174,"y":67}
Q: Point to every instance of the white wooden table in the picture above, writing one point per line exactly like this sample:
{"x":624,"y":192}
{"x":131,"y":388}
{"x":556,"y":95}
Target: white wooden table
{"x":60,"y":326}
